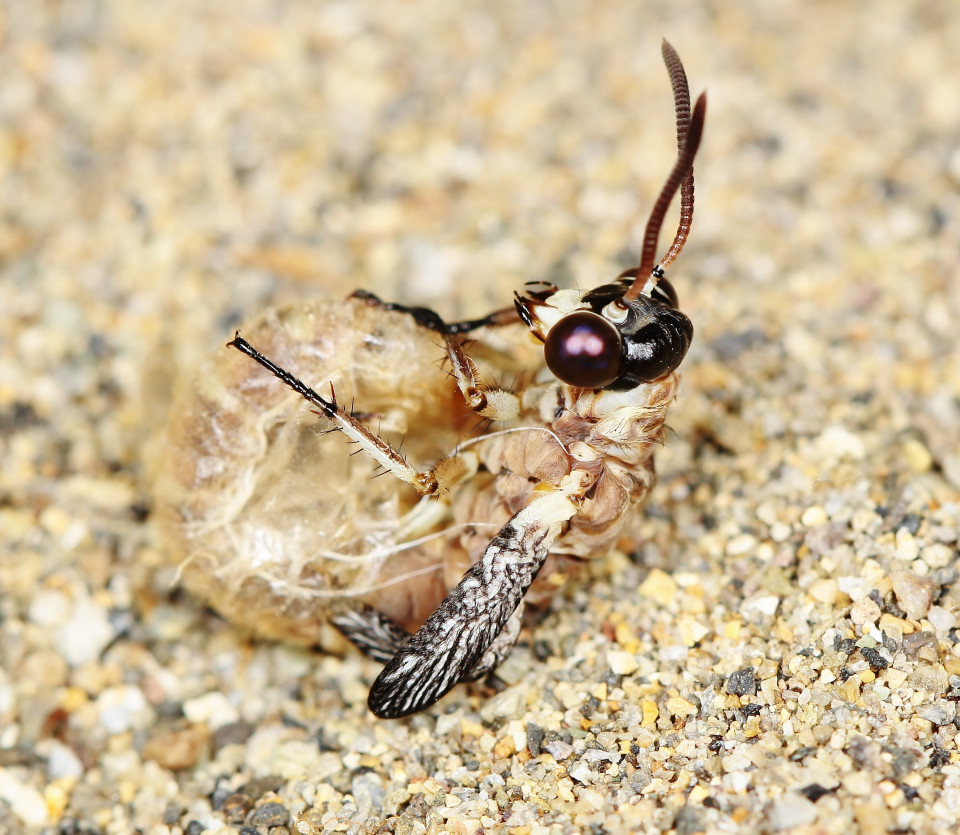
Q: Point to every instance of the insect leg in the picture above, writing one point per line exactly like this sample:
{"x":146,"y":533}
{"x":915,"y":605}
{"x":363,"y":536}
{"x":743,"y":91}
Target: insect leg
{"x":432,"y":321}
{"x":504,"y":316}
{"x":455,"y":641}
{"x":485,"y":399}
{"x":445,"y":474}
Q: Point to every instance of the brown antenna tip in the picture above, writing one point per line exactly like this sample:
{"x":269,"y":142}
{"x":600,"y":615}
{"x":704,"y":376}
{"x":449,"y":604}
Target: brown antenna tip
{"x":681,"y":170}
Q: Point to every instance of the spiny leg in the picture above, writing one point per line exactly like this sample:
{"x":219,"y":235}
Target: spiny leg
{"x":461,"y":639}
{"x":442,"y":476}
{"x":485,"y":399}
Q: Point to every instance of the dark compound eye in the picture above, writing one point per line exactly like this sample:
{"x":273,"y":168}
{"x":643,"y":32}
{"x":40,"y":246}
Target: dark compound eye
{"x":583,"y":349}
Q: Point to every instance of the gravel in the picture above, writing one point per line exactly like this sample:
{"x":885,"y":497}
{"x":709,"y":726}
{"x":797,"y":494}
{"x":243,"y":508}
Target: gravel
{"x":773,"y":645}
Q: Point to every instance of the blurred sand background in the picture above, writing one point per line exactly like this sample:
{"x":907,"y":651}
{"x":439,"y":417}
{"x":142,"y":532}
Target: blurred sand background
{"x":779,"y":651}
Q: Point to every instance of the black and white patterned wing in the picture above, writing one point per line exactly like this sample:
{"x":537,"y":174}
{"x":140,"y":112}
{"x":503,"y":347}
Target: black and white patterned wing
{"x":456,"y":636}
{"x":372,"y":632}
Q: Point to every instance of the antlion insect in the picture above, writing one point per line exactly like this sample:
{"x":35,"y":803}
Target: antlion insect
{"x":576,"y":455}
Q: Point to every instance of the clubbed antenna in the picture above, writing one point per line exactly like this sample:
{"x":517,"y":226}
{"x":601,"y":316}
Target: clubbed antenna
{"x":681,"y":98}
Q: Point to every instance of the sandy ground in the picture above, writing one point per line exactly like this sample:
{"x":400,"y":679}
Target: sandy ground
{"x":776,"y":650}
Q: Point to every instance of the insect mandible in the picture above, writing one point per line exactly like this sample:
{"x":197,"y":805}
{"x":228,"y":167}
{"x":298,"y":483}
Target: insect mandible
{"x":569,"y":453}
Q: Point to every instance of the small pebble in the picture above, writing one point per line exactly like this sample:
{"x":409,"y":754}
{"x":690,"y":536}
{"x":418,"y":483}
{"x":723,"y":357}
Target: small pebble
{"x":824,"y":591}
{"x":622,"y":663}
{"x":213,"y":709}
{"x":864,"y":611}
{"x":742,"y":683}
{"x":650,"y":712}
{"x":859,"y":783}
{"x":123,"y":708}
{"x":938,"y":555}
{"x":269,"y":814}
{"x":294,"y":757}
{"x":790,"y":811}
{"x":680,"y":707}
{"x":875,"y":658}
{"x":175,"y":750}
{"x":558,"y":749}
{"x":840,"y":442}
{"x":950,"y":464}
{"x":937,"y":714}
{"x":659,"y":587}
{"x":62,"y":761}
{"x":582,"y":773}
{"x":853,"y":587}
{"x":894,"y":677}
{"x":918,"y":457}
{"x":894,"y":626}
{"x":85,"y":634}
{"x":912,"y":644}
{"x":780,"y":532}
{"x":49,"y":607}
{"x":907,"y":547}
{"x":503,"y":704}
{"x":763,"y":604}
{"x":741,"y":544}
{"x":873,"y":817}
{"x":814,"y":515}
{"x":914,"y":594}
{"x":234,"y":733}
{"x":940,"y":619}
{"x":26,"y":803}
{"x":692,"y":631}
{"x":865,"y":520}
{"x":535,"y":737}
{"x":235,"y":807}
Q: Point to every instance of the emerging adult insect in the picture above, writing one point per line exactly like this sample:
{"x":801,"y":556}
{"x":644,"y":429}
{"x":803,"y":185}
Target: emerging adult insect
{"x":575,"y":456}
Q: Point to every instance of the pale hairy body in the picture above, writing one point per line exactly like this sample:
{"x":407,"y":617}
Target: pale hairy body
{"x":252,"y":494}
{"x":434,"y":588}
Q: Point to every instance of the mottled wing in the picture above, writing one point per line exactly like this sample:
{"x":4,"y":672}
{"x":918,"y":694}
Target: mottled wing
{"x":456,"y":636}
{"x":372,"y":632}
